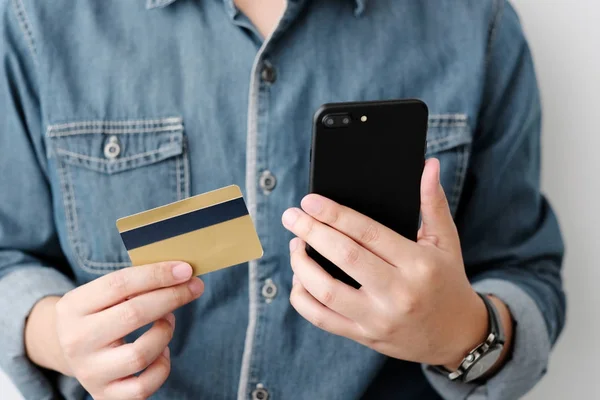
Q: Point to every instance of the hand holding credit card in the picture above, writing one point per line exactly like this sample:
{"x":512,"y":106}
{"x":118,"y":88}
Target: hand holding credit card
{"x":210,"y":231}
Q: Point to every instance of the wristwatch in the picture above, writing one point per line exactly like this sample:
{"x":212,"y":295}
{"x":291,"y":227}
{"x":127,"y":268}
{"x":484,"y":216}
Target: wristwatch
{"x":483,"y":357}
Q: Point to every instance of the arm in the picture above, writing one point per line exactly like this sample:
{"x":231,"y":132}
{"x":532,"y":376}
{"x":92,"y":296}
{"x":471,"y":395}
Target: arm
{"x":511,"y":241}
{"x":30,"y":256}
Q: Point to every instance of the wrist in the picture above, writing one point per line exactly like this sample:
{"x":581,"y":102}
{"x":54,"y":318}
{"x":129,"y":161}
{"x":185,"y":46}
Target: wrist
{"x":41,"y":340}
{"x":475,"y":330}
{"x":482,"y":330}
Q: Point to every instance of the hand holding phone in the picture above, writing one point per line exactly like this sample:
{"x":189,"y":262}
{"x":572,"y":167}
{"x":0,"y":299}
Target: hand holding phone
{"x":409,"y":289}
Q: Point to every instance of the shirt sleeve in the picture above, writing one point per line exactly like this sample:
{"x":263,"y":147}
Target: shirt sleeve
{"x":512,"y":246}
{"x":31,"y":262}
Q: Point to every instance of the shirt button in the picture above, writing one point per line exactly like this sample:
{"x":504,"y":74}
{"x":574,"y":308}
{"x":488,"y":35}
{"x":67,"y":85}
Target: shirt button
{"x":112,"y":149}
{"x":269,"y":290}
{"x":267,"y":181}
{"x":260,"y":394}
{"x":268,"y":73}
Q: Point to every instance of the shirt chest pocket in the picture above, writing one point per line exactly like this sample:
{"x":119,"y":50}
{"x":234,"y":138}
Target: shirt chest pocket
{"x":110,"y":169}
{"x":449,"y":140}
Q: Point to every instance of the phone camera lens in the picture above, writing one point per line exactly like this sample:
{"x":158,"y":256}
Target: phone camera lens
{"x":329,"y":121}
{"x":345,"y":120}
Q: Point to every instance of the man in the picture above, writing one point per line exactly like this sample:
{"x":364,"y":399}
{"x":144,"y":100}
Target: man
{"x":114,"y":107}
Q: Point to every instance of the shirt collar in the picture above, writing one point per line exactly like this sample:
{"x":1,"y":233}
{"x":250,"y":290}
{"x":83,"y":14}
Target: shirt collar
{"x":360,"y":4}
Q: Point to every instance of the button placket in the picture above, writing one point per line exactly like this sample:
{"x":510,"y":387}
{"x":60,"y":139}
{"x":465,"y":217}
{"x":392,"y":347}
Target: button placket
{"x":263,"y":76}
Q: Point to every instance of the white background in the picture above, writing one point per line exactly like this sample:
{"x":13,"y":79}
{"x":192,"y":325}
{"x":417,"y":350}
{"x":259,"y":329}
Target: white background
{"x":565,"y":39}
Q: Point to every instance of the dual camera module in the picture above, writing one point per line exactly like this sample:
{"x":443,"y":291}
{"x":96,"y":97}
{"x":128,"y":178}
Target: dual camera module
{"x":337,"y":120}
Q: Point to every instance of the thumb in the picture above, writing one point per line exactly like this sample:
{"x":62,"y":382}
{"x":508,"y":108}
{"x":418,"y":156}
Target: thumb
{"x":437,"y":225}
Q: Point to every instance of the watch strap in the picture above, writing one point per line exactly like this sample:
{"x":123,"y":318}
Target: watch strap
{"x":494,"y":320}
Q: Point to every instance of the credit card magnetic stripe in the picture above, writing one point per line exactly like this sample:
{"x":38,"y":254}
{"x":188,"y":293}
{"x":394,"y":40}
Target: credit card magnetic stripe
{"x":185,"y":223}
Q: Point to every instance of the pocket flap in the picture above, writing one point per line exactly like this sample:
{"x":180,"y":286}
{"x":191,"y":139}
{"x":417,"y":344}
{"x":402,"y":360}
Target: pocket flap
{"x":114,"y":146}
{"x":446,"y":131}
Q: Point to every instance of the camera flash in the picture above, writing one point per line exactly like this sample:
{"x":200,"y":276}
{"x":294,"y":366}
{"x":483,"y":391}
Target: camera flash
{"x":363,"y":118}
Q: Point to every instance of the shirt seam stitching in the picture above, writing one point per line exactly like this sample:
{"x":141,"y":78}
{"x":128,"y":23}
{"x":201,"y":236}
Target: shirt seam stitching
{"x":113,"y":131}
{"x":119,"y":160}
{"x":21,"y":14}
{"x":118,"y":123}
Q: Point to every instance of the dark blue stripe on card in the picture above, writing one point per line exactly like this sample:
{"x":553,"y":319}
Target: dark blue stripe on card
{"x":184,"y":223}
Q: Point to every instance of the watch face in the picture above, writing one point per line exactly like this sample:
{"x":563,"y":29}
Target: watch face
{"x":483,"y":365}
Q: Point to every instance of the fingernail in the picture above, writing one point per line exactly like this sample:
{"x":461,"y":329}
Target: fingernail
{"x":171,"y":318}
{"x":293,"y":244}
{"x":166,"y":353}
{"x":182,"y":272}
{"x":196,"y":286}
{"x":290,"y":216}
{"x":312,"y":204}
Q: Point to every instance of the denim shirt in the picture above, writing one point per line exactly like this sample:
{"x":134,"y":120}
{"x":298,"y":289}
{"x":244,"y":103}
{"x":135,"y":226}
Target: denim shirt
{"x":113,"y":107}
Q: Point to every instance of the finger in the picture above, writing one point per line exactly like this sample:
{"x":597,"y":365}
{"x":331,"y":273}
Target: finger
{"x":143,"y":386}
{"x":320,"y":316}
{"x":131,"y":358}
{"x":437,"y":223}
{"x":362,"y":265}
{"x":117,"y":286}
{"x":330,"y":292}
{"x":367,"y":232}
{"x":122,"y":319}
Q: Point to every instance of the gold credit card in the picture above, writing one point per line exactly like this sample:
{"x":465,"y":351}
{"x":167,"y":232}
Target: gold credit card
{"x":209,"y":231}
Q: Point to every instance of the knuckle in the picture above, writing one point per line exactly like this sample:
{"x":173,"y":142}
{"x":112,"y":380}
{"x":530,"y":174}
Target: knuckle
{"x":179,"y":295}
{"x":293,"y":298}
{"x":370,"y":342}
{"x":328,"y":296}
{"x":70,"y":345}
{"x":410,"y":305}
{"x":160,"y":274}
{"x":166,"y":328}
{"x":368,"y":337}
{"x":332,"y":215}
{"x":294,"y":259}
{"x":370,"y":234}
{"x":137,"y":359}
{"x":385,"y":329}
{"x":164,"y":365}
{"x":118,"y":281}
{"x":426,"y":270}
{"x":85,"y":375}
{"x":351,"y":254}
{"x":130,"y":314}
{"x":139,"y":390}
{"x":319,"y":321}
{"x":308,"y":226}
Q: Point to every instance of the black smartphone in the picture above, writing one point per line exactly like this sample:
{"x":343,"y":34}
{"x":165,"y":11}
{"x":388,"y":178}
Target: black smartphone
{"x":369,"y":156}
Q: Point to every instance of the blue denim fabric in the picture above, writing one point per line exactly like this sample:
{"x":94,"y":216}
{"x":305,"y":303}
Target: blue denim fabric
{"x":113,"y":107}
